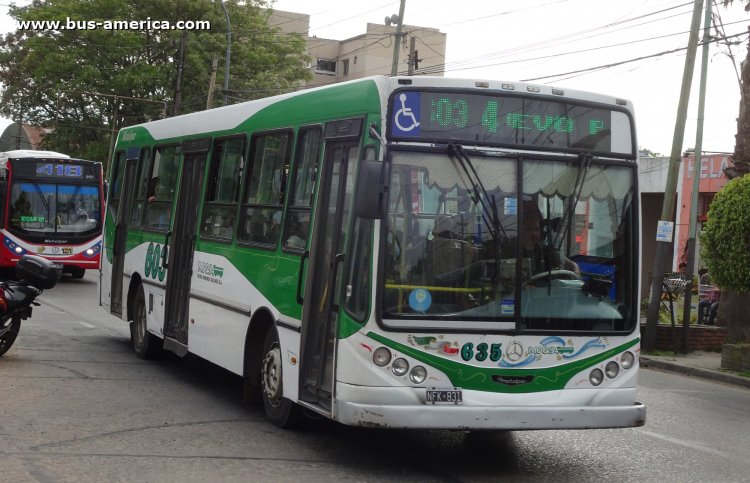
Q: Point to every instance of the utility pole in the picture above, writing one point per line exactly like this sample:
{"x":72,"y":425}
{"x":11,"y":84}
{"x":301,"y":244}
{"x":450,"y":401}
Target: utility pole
{"x":667,"y":211}
{"x":696,"y":178}
{"x":397,"y":41}
{"x":413,"y":55}
{"x":212,"y":83}
{"x":180,"y":66}
{"x":112,"y":136}
{"x":228,"y":55}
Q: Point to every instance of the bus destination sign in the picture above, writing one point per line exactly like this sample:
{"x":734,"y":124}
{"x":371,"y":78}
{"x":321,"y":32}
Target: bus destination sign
{"x":59,"y":170}
{"x":504,"y":120}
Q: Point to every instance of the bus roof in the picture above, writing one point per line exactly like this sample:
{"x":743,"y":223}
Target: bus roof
{"x":30,"y":153}
{"x":229,"y":117}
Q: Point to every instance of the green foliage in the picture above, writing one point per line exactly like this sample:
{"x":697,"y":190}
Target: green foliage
{"x":49,"y":77}
{"x":725,"y":241}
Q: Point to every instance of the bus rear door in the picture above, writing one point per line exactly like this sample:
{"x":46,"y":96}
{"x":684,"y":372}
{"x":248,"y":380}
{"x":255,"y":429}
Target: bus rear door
{"x":181,"y":243}
{"x":122,"y":218}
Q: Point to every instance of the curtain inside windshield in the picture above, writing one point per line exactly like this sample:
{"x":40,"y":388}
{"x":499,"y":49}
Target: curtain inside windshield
{"x":45,"y":209}
{"x":463,"y":244}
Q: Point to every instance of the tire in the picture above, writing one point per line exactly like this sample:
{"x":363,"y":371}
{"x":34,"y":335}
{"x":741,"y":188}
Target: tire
{"x":145,"y":344}
{"x":280,"y":410}
{"x":7,"y":339}
{"x":77,"y":272}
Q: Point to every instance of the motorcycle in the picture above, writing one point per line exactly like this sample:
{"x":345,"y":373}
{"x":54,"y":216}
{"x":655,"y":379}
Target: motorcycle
{"x":34,"y":274}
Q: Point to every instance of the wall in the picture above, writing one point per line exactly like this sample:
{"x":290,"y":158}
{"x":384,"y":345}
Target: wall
{"x":700,"y":338}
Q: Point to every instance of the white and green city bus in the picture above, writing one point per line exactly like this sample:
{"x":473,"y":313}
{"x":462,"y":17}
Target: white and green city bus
{"x":359,"y":251}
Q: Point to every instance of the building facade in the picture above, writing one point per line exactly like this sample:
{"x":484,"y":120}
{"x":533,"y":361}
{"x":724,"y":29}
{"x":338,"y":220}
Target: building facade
{"x":652,"y":179}
{"x":370,"y":53}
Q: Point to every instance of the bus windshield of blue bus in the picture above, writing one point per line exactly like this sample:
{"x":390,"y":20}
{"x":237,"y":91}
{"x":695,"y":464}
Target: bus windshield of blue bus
{"x":45,"y":209}
{"x":462,"y":244}
{"x":504,"y":119}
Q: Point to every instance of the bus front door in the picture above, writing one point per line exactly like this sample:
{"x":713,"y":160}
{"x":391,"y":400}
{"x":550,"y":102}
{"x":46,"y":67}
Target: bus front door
{"x":181,"y":247}
{"x":119,"y":243}
{"x":320,"y":308}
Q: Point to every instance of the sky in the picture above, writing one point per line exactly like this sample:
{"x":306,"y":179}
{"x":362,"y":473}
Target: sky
{"x":611,"y":47}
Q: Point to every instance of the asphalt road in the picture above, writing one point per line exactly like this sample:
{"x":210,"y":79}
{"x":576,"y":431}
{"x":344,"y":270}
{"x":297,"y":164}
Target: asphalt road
{"x":78,"y":405}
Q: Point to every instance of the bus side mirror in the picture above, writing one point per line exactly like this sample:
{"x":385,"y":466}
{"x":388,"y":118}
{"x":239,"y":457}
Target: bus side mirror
{"x":371,"y":190}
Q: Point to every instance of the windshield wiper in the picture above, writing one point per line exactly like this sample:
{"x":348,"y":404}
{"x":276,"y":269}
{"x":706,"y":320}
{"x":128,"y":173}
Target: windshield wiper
{"x":483,"y":198}
{"x":45,"y":202}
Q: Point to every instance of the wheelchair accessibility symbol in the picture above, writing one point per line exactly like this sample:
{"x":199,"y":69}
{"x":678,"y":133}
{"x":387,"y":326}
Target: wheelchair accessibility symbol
{"x":406,"y":114}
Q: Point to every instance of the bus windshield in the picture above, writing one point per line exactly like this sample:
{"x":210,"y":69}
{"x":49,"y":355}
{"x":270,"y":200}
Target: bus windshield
{"x":46,"y":209}
{"x":465,"y":244}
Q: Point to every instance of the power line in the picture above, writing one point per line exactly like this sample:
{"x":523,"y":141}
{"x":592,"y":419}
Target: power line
{"x":614,"y":64}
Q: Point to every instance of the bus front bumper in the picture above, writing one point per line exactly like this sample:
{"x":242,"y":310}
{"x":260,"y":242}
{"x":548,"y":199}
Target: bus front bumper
{"x":460,"y":417}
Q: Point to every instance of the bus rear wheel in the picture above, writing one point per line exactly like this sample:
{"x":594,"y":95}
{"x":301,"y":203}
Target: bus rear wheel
{"x":280,"y":410}
{"x":145,"y":345}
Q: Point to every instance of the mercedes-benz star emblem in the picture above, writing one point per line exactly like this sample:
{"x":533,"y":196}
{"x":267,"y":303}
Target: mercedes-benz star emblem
{"x":514,"y":352}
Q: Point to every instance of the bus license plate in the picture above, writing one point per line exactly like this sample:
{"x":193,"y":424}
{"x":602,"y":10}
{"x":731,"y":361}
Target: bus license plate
{"x":450,"y":396}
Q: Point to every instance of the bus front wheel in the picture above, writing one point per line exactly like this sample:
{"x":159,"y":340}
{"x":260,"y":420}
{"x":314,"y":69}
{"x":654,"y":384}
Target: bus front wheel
{"x":145,"y":344}
{"x":280,"y":410}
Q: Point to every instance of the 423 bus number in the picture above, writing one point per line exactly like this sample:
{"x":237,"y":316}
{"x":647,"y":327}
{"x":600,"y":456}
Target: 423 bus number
{"x":481,"y":352}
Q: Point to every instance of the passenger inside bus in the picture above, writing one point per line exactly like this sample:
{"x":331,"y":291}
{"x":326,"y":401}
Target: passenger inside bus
{"x":152,"y":186}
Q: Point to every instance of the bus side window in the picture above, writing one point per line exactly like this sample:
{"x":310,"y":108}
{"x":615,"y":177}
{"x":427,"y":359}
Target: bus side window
{"x":223,"y":190}
{"x":264,"y":189}
{"x":160,"y":188}
{"x":302,"y":186}
{"x":142,"y":182}
{"x":118,"y":171}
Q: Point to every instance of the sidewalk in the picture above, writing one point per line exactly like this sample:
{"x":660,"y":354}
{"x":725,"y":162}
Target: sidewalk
{"x":706,"y":365}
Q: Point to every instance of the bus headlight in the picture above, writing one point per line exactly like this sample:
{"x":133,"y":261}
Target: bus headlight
{"x":612,"y":369}
{"x":418,"y":375}
{"x":19,"y":250}
{"x":596,"y":377}
{"x":89,"y":252}
{"x":627,"y":360}
{"x":381,"y":357}
{"x":400,"y":366}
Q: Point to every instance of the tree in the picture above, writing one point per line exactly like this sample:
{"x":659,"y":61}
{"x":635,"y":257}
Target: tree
{"x":741,"y":156}
{"x":725,"y":243}
{"x":729,"y":245}
{"x":85,"y":82}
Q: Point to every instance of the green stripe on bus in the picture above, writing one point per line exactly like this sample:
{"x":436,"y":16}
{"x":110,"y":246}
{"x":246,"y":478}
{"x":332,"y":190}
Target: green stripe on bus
{"x":480,"y":378}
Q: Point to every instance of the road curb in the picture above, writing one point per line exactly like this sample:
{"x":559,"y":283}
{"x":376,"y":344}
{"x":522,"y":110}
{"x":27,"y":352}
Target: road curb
{"x":695,"y":371}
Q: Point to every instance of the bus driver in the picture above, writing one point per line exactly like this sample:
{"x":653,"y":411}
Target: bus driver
{"x":543,"y":258}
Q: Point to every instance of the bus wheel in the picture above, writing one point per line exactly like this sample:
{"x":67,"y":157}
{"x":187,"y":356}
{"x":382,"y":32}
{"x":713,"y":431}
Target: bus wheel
{"x":280,"y":410}
{"x":145,"y":345}
{"x":77,"y":272}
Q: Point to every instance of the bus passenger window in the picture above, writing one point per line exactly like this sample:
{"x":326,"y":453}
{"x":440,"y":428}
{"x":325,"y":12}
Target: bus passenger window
{"x":161,"y":188}
{"x":297,"y":222}
{"x":142,"y":185}
{"x":261,"y":225}
{"x":261,"y":213}
{"x":118,"y":172}
{"x":223,"y":190}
